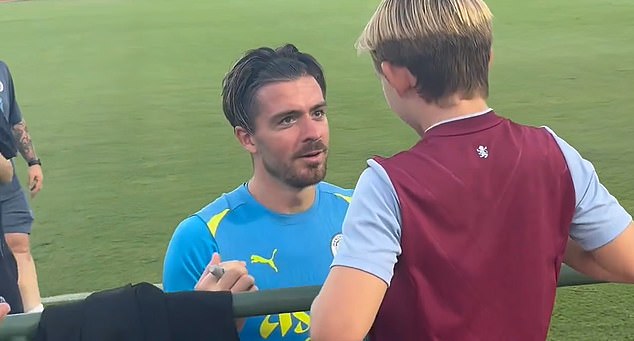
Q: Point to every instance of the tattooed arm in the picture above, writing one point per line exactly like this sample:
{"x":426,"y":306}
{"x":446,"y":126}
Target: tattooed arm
{"x":23,"y":141}
{"x":25,"y":147}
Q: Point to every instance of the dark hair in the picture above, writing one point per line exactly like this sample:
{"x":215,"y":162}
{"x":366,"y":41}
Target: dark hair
{"x":257,"y":68}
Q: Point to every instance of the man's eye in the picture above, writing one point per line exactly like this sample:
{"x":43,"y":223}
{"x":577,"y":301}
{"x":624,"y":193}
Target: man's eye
{"x":287,"y":120}
{"x":319,"y":113}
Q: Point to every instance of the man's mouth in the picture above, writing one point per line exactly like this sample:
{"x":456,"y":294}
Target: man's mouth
{"x":313,"y":153}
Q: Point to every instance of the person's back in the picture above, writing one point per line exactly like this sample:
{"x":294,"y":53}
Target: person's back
{"x":462,"y":237}
{"x":486,"y":207}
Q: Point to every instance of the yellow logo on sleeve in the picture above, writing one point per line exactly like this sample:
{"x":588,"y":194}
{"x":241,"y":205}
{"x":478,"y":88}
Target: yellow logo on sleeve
{"x":285,"y":323}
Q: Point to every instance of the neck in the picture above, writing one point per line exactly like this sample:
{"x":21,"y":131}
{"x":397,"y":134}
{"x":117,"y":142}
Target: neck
{"x":428,"y":115}
{"x":279,"y":197}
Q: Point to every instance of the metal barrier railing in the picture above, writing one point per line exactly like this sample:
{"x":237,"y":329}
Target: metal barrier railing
{"x":21,"y":327}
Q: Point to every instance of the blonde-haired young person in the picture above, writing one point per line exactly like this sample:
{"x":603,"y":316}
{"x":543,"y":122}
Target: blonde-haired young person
{"x":462,"y":236}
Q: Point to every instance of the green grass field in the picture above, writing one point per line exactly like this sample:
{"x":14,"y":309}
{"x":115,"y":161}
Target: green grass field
{"x":122,"y":100}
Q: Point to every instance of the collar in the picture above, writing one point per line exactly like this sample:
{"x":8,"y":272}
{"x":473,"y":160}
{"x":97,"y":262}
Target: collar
{"x":459,"y":118}
{"x":465,"y":124}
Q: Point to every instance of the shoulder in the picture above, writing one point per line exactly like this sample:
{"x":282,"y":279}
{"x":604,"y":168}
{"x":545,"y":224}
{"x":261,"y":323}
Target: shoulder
{"x":574,"y":160}
{"x":205,"y":222}
{"x":189,"y":230}
{"x":419,"y":152}
{"x":4,"y":70}
{"x":375,"y":179}
{"x":222,"y":205}
{"x":560,"y":141}
{"x":393,"y":170}
{"x":334,"y":190}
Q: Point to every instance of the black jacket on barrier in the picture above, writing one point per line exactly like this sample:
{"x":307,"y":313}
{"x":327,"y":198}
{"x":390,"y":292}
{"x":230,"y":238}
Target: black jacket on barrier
{"x":141,"y":312}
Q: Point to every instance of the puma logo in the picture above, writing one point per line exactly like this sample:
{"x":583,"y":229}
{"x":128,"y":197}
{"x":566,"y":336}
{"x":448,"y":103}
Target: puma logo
{"x":255,"y":259}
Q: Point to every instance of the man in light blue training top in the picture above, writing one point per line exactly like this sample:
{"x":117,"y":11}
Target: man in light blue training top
{"x":285,"y":222}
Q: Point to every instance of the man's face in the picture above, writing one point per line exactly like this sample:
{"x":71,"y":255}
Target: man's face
{"x":291,"y":135}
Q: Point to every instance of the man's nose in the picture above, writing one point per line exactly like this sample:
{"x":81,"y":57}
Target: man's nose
{"x":312,"y":130}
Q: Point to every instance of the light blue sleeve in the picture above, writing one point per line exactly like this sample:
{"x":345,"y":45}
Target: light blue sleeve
{"x":598,"y":217}
{"x":372,"y":226}
{"x":188,"y":253}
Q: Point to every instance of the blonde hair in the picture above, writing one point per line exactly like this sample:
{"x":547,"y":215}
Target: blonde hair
{"x":445,"y":44}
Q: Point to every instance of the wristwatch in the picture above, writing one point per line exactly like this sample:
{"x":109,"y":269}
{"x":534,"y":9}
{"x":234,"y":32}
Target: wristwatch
{"x":34,"y":162}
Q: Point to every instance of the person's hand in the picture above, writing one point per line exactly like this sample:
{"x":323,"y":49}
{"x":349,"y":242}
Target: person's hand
{"x":4,"y":309}
{"x":234,"y":278}
{"x":35,"y":179}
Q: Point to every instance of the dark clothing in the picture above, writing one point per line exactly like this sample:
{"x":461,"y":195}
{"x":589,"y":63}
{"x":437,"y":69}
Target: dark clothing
{"x":141,"y":312}
{"x":10,"y":113}
{"x":7,"y":141}
{"x":18,"y":216}
{"x":9,"y":107}
{"x":9,"y":275}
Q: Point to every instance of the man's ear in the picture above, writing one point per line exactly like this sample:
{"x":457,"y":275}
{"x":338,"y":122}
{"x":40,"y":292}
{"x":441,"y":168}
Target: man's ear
{"x":245,"y":138}
{"x":399,"y":78}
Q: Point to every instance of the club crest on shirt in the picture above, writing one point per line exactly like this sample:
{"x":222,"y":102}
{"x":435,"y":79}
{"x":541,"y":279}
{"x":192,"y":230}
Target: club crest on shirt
{"x":334,"y":243}
{"x":483,"y":152}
